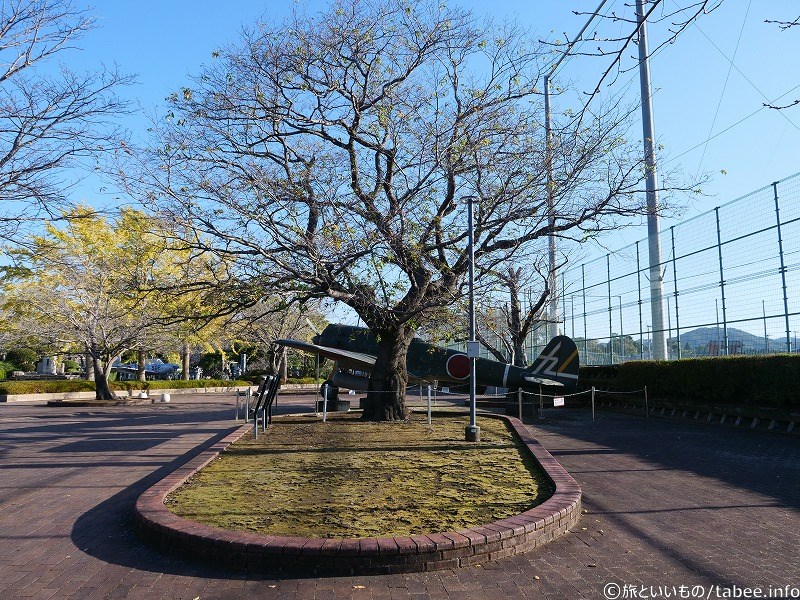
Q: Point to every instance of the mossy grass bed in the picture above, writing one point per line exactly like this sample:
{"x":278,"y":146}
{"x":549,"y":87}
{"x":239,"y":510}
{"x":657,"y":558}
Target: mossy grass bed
{"x":347,"y":478}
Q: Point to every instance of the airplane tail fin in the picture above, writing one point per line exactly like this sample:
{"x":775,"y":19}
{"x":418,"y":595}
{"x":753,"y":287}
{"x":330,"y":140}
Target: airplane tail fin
{"x":558,"y":362}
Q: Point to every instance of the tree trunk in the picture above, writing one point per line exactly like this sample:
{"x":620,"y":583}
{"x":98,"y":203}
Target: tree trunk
{"x":516,"y":324}
{"x":185,"y":355}
{"x":387,"y":384}
{"x":141,"y":375}
{"x":274,"y":362}
{"x":89,"y":366}
{"x":284,"y":366}
{"x":519,"y":350}
{"x":102,"y":389}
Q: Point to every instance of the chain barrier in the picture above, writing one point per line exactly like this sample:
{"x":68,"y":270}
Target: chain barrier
{"x":622,"y":393}
{"x":432,"y":391}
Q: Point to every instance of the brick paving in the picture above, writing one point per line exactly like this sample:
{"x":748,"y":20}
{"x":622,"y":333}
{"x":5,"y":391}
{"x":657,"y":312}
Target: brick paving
{"x":668,"y":503}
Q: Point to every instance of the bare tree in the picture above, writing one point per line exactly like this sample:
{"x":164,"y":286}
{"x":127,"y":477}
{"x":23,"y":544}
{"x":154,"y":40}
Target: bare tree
{"x":503,"y":327}
{"x":51,"y":119}
{"x":329,"y":154}
{"x":273,"y":318}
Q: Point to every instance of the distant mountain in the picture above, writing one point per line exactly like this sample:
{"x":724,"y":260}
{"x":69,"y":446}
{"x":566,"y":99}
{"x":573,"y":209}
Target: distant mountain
{"x":699,"y":338}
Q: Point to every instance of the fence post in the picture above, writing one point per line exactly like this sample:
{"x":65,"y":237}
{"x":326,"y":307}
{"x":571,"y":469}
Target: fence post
{"x":236,"y":414}
{"x":610,"y":312}
{"x":722,"y":286}
{"x":564,"y":301}
{"x":646,"y":404}
{"x":675,"y":287}
{"x":429,"y":402}
{"x":247,"y":405}
{"x":519,"y":403}
{"x":592,"y":403}
{"x":639,"y":291}
{"x":585,"y":329}
{"x":783,"y":267}
{"x":541,"y":403}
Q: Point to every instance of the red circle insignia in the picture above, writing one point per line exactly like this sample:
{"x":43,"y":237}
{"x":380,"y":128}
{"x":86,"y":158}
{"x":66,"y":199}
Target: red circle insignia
{"x":458,"y":366}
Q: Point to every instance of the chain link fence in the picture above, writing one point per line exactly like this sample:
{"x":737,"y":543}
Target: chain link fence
{"x":731,"y":282}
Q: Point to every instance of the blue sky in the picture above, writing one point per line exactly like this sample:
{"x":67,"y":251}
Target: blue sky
{"x":709,"y":86}
{"x":162,"y":42}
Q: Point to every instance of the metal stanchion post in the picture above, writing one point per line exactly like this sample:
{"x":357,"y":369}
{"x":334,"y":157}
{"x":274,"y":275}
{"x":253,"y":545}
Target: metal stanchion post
{"x":592,"y":403}
{"x":429,"y":404}
{"x":324,"y":403}
{"x":646,"y":404}
{"x":247,"y":405}
{"x":236,"y":414}
{"x":541,"y":403}
{"x":519,"y":403}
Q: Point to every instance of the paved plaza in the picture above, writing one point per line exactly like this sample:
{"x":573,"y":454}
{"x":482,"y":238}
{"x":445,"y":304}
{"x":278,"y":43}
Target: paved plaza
{"x":667,"y":504}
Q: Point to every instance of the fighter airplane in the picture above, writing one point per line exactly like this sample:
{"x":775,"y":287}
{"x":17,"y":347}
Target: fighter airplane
{"x":354,"y":349}
{"x":153,"y":369}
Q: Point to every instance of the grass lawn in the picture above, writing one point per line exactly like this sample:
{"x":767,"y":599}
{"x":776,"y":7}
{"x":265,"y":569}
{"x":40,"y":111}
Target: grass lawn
{"x":348,"y":478}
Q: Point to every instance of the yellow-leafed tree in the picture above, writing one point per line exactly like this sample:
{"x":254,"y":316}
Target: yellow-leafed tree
{"x":107,"y":285}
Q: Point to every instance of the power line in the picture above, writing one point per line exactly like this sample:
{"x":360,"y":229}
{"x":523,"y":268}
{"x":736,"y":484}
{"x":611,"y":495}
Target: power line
{"x":724,"y":87}
{"x":746,"y":78}
{"x":740,"y":121}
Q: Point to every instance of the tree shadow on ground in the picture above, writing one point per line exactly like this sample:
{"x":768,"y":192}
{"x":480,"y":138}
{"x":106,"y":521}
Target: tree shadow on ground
{"x":756,"y":461}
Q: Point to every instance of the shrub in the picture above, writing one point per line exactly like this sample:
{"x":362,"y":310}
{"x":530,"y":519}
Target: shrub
{"x":24,"y":359}
{"x":61,"y":386}
{"x":71,"y":366}
{"x":6,"y":368}
{"x":304,"y":380}
{"x":46,"y":386}
{"x":182,"y":384}
{"x":752,"y":381}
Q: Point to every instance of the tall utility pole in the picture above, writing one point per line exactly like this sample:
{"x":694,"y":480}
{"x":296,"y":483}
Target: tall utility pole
{"x":552,"y":282}
{"x":659,"y":340}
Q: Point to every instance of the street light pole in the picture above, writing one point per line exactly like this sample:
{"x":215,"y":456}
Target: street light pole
{"x":472,"y":433}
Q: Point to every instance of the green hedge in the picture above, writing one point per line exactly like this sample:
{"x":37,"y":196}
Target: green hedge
{"x":181,"y":384}
{"x":81,"y":385}
{"x":46,"y":386}
{"x":304,"y":380}
{"x":752,"y":381}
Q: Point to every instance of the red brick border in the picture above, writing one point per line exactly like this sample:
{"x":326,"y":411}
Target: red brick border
{"x":431,"y":552}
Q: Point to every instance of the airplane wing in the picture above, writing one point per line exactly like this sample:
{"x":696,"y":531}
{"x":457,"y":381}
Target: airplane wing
{"x":542,"y":381}
{"x":355,"y":360}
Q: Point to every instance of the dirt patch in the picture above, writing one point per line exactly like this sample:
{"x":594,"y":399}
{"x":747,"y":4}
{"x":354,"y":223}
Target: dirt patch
{"x":347,"y":478}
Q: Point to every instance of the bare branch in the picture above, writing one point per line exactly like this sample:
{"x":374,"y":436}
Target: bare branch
{"x":48,"y":123}
{"x":785,"y":24}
